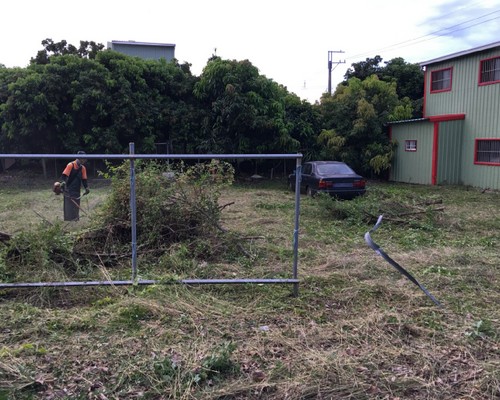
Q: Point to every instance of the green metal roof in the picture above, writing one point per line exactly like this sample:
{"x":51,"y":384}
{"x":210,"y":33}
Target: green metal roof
{"x":404,"y":121}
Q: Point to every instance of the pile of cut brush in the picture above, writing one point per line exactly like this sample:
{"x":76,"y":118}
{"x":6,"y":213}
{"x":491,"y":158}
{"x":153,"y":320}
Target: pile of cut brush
{"x":412,"y":209}
{"x":175,"y":204}
{"x":401,"y":212}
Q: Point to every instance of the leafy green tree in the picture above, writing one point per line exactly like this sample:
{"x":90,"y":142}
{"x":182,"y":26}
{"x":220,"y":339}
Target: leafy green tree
{"x":409,"y":78}
{"x":354,"y":124}
{"x":28,"y":115}
{"x":178,"y":115}
{"x":102,"y":100}
{"x":98,"y":104}
{"x":246,"y":110}
{"x":129,"y":99}
{"x":41,"y":112}
{"x":8,"y":76}
{"x":304,"y":122}
{"x":370,"y":96}
{"x":87,"y":49}
{"x":364,"y":69}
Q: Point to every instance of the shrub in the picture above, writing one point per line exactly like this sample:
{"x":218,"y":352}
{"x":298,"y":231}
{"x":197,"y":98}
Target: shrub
{"x":174,"y":204}
{"x":46,"y":251}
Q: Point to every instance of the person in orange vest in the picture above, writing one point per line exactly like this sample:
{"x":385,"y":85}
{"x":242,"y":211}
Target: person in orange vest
{"x":72,"y":179}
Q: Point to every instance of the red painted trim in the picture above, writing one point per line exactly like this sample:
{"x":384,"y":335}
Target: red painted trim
{"x":426,"y":76}
{"x":446,"y":117}
{"x":485,"y":139}
{"x":475,"y":152}
{"x":481,"y":70}
{"x":451,"y":80}
{"x":489,"y":83}
{"x":479,"y":73}
{"x":488,"y":163}
{"x":435,"y":145}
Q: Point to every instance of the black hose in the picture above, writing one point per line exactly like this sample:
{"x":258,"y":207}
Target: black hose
{"x":384,"y":255}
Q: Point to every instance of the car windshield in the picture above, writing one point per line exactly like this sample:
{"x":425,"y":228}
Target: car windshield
{"x":334,"y":169}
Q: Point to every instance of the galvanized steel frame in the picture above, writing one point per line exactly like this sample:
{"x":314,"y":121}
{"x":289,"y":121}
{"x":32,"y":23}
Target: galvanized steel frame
{"x":135,"y":281}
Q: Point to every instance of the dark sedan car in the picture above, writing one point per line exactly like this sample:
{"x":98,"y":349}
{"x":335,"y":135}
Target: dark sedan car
{"x":333,"y":177}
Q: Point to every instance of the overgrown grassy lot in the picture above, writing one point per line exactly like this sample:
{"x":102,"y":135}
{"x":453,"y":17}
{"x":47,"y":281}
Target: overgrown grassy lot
{"x":357,"y":330}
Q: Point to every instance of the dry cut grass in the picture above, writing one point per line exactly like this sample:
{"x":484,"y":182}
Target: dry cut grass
{"x":358,"y":330}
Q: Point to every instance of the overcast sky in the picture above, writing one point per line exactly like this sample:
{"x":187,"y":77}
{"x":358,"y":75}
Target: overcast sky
{"x":288,"y":41}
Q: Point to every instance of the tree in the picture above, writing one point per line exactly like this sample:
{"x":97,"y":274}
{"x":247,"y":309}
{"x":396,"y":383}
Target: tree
{"x":364,"y":69}
{"x":178,"y":114}
{"x":304,"y":122}
{"x":87,"y":49}
{"x":354,"y":124}
{"x":28,"y":115}
{"x":100,"y":104}
{"x":8,"y":76}
{"x":409,"y":78}
{"x":246,"y":110}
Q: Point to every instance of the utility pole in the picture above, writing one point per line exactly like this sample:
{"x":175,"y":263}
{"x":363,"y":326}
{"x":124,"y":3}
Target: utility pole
{"x":330,"y":63}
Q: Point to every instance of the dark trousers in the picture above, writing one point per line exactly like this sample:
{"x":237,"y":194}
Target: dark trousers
{"x":71,"y":207}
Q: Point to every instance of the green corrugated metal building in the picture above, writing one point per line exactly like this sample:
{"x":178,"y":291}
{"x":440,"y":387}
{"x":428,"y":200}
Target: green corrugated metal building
{"x":458,"y":139}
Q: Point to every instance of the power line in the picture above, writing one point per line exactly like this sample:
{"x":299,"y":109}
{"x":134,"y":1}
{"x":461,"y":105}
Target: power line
{"x":456,"y":30}
{"x":456,"y":10}
{"x":447,"y":32}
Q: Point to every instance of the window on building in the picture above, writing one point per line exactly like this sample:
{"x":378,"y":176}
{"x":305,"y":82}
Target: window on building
{"x":410,"y":145}
{"x":441,"y":80}
{"x":489,"y":71}
{"x":487,"y":151}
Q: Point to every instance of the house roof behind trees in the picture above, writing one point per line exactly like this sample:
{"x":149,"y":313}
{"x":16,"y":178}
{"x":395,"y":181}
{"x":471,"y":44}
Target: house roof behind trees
{"x":134,"y":43}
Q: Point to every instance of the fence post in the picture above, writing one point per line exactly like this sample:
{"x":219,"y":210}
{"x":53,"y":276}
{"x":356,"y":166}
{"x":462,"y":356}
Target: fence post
{"x":298,"y":173}
{"x":133,"y":214}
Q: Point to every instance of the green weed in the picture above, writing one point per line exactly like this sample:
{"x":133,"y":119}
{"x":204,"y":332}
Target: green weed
{"x":482,"y":329}
{"x":218,"y":363}
{"x":132,"y":315}
{"x":40,"y":251}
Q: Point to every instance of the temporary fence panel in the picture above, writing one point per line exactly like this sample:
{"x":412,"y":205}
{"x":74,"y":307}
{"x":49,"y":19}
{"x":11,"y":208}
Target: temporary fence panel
{"x":134,"y":273}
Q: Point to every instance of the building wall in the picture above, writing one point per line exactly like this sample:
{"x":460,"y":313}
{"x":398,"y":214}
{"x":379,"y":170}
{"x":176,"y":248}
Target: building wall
{"x":457,"y":139}
{"x":145,"y":51}
{"x":416,"y":166}
{"x":482,"y":122}
{"x":465,"y":96}
{"x":480,"y":104}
